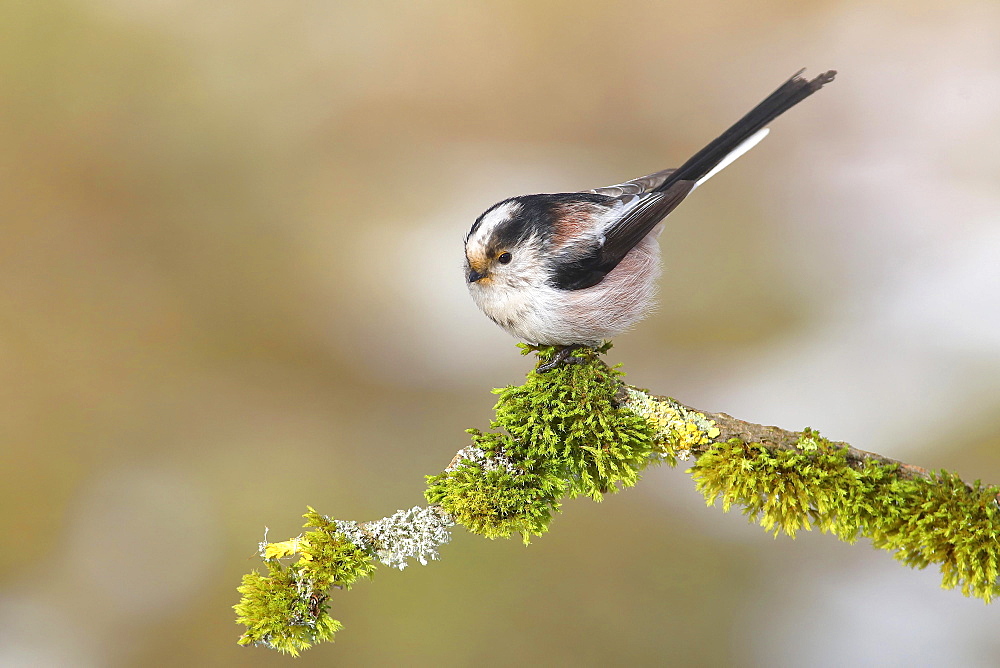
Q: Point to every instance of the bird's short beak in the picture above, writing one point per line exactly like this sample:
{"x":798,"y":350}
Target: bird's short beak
{"x":475,"y":275}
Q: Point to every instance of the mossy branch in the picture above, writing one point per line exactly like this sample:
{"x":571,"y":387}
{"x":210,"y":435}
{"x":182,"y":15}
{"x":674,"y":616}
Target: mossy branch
{"x":579,"y":430}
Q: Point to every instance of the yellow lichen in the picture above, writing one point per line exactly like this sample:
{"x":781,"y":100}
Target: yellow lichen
{"x":285,"y":548}
{"x":678,"y":429}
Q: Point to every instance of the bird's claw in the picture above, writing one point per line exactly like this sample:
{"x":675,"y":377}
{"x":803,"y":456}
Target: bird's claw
{"x":563,"y":356}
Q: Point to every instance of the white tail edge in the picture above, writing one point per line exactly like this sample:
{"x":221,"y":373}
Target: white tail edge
{"x":753,"y":140}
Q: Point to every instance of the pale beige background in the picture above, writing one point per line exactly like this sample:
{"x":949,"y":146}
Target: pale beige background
{"x":230,"y":286}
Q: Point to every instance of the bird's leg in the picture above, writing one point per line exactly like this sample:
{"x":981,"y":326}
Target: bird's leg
{"x":563,"y":356}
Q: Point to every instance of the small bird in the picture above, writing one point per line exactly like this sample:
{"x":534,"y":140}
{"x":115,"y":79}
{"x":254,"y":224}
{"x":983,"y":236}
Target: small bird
{"x":572,"y":269}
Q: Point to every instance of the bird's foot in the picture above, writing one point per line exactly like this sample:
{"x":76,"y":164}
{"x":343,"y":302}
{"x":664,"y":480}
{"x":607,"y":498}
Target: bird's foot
{"x":563,"y":356}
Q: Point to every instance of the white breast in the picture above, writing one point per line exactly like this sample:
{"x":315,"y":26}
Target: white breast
{"x":535,"y":312}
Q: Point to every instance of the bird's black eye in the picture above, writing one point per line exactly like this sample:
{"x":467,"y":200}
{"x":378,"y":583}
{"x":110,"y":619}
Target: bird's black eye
{"x":504,"y":258}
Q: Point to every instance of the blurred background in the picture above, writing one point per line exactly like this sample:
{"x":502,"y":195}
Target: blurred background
{"x":231,"y":287}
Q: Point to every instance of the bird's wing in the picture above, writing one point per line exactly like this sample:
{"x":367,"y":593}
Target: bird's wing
{"x":639,"y":220}
{"x":640,"y":215}
{"x":639,"y":186}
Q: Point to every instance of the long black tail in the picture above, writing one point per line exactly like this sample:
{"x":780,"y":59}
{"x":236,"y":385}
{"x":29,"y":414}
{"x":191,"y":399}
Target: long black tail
{"x":787,"y":96}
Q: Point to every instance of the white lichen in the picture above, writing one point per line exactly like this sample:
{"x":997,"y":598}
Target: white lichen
{"x":475,"y":455}
{"x":407,"y":534}
{"x":262,"y":545}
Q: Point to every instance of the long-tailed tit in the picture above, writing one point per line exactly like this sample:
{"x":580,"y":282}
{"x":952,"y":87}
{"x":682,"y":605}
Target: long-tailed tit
{"x":571,"y":269}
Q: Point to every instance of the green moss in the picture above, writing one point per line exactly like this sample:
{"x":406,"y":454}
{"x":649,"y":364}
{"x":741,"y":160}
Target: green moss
{"x":940,"y":520}
{"x":784,"y":490}
{"x":570,"y":419}
{"x":495,"y":497}
{"x":278,"y":613}
{"x":287,"y":609}
{"x":946,"y":522}
{"x":329,"y":558}
{"x":561,"y":433}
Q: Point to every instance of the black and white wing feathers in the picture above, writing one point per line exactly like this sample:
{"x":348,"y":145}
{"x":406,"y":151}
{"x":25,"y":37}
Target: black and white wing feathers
{"x":639,"y":186}
{"x":589,"y":261}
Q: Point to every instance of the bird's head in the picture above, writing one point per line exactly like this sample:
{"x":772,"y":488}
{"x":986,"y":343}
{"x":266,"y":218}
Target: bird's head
{"x":524,"y":240}
{"x":502,"y":246}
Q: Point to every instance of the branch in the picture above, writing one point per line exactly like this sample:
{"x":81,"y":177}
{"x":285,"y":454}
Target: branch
{"x":776,"y":438}
{"x":579,"y":430}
